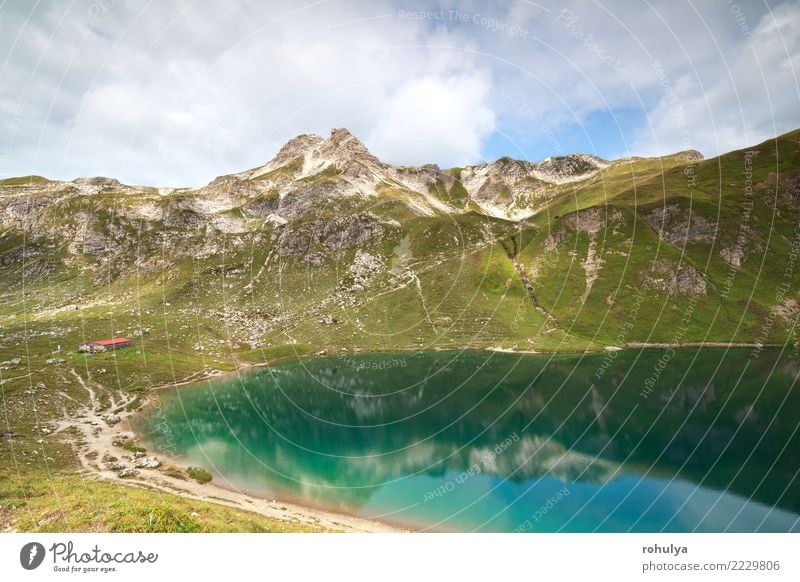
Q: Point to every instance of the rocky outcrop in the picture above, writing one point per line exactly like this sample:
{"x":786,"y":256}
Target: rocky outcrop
{"x":262,"y":206}
{"x":666,"y":276}
{"x":790,"y":190}
{"x":690,"y":156}
{"x":787,"y":310}
{"x":95,"y":243}
{"x":514,"y":189}
{"x":361,"y":273}
{"x":732,"y":255}
{"x":677,"y":225}
{"x":564,"y":169}
{"x":590,"y":220}
{"x":333,"y":236}
{"x":747,"y":241}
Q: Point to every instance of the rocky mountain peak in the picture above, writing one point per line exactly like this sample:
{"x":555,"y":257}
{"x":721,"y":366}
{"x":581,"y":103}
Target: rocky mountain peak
{"x":691,"y":156}
{"x":98,"y":184}
{"x":295,"y":148}
{"x":341,"y":134}
{"x":561,"y":169}
{"x":343,"y":148}
{"x":309,"y":154}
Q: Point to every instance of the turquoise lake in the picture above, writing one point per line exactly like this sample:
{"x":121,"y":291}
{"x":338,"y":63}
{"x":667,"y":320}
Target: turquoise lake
{"x":650,"y":440}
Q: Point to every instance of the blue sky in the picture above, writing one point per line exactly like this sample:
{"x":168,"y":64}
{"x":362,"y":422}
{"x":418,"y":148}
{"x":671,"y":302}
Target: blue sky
{"x":603,"y":133}
{"x":174,"y":94}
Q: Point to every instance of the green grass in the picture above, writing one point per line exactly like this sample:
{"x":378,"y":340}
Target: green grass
{"x":129,"y":445}
{"x":199,"y":474}
{"x":68,"y":503}
{"x":24,"y":180}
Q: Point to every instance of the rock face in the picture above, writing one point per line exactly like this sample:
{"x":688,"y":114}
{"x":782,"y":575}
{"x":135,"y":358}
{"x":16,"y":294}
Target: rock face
{"x":564,"y":169}
{"x":668,"y":277}
{"x":340,"y":154}
{"x":590,"y":220}
{"x":509,"y":188}
{"x":677,"y":225}
{"x":333,"y":236}
{"x":790,"y":190}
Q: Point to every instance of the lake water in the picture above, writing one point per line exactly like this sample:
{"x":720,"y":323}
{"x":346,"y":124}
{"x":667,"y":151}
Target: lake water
{"x":641,"y":440}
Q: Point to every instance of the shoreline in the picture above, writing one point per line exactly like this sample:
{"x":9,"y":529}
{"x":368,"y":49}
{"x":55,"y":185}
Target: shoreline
{"x":99,"y":437}
{"x":97,"y":448}
{"x":736,"y":345}
{"x":248,"y":367}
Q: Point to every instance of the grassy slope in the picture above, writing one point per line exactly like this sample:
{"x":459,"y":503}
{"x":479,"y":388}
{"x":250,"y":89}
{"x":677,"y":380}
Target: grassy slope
{"x":66,"y":502}
{"x":738,"y":300}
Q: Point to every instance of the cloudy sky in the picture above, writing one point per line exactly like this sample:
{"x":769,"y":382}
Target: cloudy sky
{"x":176,"y":93}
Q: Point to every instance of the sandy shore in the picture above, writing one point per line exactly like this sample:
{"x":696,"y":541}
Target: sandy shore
{"x":97,"y":449}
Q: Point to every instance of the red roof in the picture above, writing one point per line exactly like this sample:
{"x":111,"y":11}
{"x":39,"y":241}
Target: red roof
{"x":113,"y":341}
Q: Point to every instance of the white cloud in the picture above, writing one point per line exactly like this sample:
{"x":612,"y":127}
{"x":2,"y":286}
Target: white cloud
{"x":434,"y":118}
{"x":753,"y":96}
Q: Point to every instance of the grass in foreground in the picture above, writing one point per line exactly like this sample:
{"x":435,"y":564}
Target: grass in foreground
{"x":69,"y":503}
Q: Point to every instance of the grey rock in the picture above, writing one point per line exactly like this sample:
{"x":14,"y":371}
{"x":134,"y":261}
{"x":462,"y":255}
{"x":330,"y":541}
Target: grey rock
{"x":263,"y":206}
{"x":334,"y":235}
{"x":147,"y":463}
{"x":677,"y":225}
{"x":667,"y":277}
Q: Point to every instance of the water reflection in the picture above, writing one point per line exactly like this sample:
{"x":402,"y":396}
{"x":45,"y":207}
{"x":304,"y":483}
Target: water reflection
{"x":712,"y":441}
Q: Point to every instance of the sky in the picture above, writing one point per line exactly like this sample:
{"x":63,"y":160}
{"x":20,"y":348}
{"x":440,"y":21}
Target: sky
{"x":177,"y":93}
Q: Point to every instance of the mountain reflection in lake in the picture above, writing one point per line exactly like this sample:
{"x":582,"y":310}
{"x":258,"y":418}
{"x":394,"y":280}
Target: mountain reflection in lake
{"x":502,"y":442}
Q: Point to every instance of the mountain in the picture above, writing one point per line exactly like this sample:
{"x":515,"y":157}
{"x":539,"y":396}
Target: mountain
{"x":326,"y":247}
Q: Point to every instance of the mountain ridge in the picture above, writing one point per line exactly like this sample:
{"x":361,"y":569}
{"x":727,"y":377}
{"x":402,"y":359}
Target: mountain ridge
{"x":488,"y":184}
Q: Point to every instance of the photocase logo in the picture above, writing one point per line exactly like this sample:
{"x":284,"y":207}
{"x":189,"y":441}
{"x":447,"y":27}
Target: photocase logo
{"x":31,"y":555}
